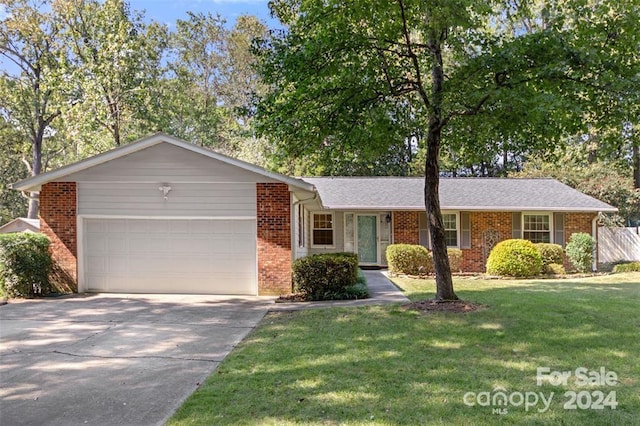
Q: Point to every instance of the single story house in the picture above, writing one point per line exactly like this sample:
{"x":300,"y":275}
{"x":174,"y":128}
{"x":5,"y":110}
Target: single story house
{"x":163,"y":216}
{"x":20,"y":224}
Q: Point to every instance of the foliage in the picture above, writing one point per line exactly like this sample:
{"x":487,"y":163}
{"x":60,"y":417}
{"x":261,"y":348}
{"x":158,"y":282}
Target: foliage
{"x":580,"y":251}
{"x":550,"y":254}
{"x":555,"y":269}
{"x":409,"y":259}
{"x":25,"y":263}
{"x":514,"y":258}
{"x":115,"y":65}
{"x":626,"y":267}
{"x":455,"y":259}
{"x":326,"y":276}
{"x":610,"y":182}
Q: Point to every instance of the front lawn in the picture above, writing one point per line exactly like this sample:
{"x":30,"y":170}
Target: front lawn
{"x":386,"y":365}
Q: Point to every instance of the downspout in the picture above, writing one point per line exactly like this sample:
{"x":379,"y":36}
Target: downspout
{"x":594,"y":234}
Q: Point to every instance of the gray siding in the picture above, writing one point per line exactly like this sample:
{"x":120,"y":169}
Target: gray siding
{"x":184,"y":199}
{"x":338,"y":234}
{"x":165,"y":163}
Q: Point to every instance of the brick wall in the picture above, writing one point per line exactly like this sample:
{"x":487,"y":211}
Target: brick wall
{"x":274,"y":238}
{"x":406,"y":228}
{"x":58,"y":222}
{"x":473,"y":258}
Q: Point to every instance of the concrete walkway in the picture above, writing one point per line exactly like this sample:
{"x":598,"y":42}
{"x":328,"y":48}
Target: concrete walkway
{"x":381,"y":289}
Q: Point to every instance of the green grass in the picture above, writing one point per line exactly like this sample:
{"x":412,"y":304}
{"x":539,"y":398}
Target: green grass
{"x":386,"y":365}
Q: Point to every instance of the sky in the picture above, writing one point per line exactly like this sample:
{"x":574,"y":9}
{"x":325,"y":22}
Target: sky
{"x":168,"y":11}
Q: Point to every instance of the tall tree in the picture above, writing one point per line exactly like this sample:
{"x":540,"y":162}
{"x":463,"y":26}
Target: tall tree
{"x":31,"y":94}
{"x":341,"y":74}
{"x":116,"y":58}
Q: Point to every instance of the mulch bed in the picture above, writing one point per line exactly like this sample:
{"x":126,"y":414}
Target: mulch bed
{"x":287,"y":298}
{"x":455,"y":306}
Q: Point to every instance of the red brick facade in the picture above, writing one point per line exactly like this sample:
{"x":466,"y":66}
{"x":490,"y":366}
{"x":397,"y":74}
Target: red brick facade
{"x":406,"y":228}
{"x":274,"y":238}
{"x":406,"y":231}
{"x":473,"y":259}
{"x":58,"y":212}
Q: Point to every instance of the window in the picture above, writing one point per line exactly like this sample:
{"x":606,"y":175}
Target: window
{"x":450,"y":221}
{"x":450,"y":229}
{"x":536,"y":228}
{"x":322,"y":229}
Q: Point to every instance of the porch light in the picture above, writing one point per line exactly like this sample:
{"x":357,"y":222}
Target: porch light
{"x":165,"y":188}
{"x":388,"y":218}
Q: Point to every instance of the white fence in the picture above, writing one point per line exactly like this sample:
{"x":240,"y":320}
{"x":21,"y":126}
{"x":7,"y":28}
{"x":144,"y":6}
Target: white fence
{"x":617,"y":244}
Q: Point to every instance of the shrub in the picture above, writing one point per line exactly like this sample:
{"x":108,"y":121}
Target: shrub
{"x":329,"y":276}
{"x":555,"y":269}
{"x":24,"y":264}
{"x":580,"y":251}
{"x":627,"y":267}
{"x":409,"y":259}
{"x":514,"y":258}
{"x":550,"y":254}
{"x":455,"y":259}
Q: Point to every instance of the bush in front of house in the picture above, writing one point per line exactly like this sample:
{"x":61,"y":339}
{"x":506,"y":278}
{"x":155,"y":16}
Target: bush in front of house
{"x":550,"y":254}
{"x":580,"y":251}
{"x":555,"y":269}
{"x":455,"y":259}
{"x":25,"y":263}
{"x":627,"y":267}
{"x":409,"y":259}
{"x":328,"y":276}
{"x":514,"y":258}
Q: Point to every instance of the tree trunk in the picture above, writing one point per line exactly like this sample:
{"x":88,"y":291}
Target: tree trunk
{"x":636,"y":163}
{"x":444,"y":282}
{"x":36,"y":168}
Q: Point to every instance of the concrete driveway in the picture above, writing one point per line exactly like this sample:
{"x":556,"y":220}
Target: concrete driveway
{"x":114,"y":359}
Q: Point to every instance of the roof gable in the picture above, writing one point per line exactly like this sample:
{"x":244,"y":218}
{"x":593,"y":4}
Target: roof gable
{"x":96,"y":168}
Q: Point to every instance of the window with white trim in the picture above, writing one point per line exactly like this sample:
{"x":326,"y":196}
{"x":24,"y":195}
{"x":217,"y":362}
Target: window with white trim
{"x":536,"y":228}
{"x":450,"y":221}
{"x":322,"y":231}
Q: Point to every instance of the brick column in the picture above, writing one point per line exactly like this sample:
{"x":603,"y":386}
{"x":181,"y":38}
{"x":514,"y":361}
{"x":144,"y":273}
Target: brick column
{"x":274,"y":238}
{"x":58,"y":212}
{"x":406,"y":228}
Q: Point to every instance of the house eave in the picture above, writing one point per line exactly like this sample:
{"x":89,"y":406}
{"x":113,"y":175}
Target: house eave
{"x":478,"y":208}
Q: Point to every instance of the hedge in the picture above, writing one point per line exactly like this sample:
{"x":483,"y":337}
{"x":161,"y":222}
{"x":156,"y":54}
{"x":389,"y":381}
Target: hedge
{"x":627,"y":267}
{"x":330,"y":276}
{"x":514,"y":258}
{"x":580,"y":251}
{"x":409,"y":259}
{"x":25,"y":263}
{"x":550,"y":254}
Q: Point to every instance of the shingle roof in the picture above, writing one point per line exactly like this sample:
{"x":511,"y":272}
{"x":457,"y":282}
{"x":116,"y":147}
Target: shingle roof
{"x":488,"y":194}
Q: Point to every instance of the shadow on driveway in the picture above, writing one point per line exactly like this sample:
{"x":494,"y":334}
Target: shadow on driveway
{"x":114,"y":359}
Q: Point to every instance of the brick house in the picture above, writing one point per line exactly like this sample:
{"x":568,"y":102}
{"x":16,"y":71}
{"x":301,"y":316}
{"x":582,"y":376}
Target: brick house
{"x":164,"y":216}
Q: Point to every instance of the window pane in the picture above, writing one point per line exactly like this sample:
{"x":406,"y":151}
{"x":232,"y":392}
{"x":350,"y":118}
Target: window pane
{"x":537,"y":228}
{"x":537,"y":237}
{"x":323,"y":237}
{"x":451,"y":237}
{"x":449,"y":221}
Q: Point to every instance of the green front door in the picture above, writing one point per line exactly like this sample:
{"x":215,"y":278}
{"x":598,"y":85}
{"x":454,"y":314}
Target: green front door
{"x":368,"y":239}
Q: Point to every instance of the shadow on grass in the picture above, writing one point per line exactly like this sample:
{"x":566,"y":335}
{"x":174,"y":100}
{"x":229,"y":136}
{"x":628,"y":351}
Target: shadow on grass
{"x":391,"y":366}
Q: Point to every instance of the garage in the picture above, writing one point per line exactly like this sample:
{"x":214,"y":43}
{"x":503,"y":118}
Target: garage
{"x":202,"y":256}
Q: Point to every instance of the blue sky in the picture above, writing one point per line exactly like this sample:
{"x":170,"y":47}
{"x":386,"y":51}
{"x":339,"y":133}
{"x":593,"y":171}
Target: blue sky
{"x":168,"y":11}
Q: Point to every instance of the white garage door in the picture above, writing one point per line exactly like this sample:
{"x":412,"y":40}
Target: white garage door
{"x":170,"y":256}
